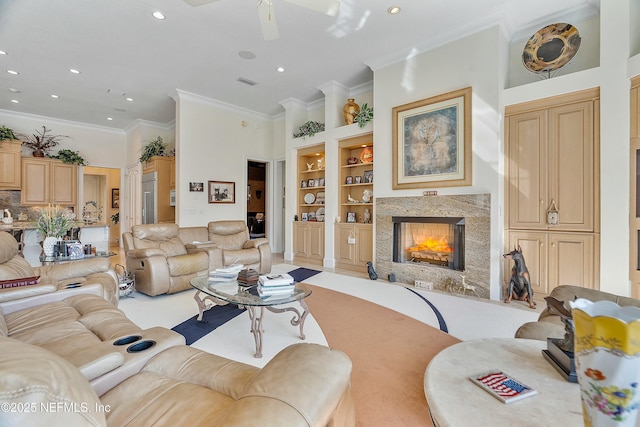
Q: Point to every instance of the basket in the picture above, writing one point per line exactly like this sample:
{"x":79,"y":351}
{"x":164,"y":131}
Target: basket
{"x":127,"y":281}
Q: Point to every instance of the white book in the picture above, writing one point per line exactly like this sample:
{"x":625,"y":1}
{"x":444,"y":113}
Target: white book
{"x":235,"y":268}
{"x":282,"y":279}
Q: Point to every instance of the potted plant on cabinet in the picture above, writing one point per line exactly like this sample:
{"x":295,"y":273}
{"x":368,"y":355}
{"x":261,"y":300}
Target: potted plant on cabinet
{"x":40,"y":142}
{"x":154,"y":148}
{"x":53,"y":223}
{"x":6,"y":133}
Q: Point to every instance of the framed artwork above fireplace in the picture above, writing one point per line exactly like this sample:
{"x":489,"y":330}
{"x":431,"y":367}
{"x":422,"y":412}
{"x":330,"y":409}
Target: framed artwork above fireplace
{"x":432,"y":141}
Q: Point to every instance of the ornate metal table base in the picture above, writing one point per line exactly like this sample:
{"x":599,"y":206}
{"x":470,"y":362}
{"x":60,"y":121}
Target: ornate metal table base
{"x":256,"y":313}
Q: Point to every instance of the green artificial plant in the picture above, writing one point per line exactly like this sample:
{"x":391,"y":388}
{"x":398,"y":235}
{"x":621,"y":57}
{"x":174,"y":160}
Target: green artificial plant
{"x":71,"y":157}
{"x":364,"y":116}
{"x":154,"y":148}
{"x":310,"y":128}
{"x":6,"y":133}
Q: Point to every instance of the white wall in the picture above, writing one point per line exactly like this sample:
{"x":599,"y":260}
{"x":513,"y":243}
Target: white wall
{"x":213,"y":143}
{"x":475,"y":61}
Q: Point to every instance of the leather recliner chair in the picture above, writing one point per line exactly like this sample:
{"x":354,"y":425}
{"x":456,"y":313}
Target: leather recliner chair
{"x":159,"y":260}
{"x":232,"y":236}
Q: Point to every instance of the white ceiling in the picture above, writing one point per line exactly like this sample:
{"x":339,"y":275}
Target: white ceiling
{"x":119,"y":47}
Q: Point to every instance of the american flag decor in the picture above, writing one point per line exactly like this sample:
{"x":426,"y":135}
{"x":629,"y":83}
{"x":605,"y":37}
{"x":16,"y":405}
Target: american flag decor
{"x":503,"y":386}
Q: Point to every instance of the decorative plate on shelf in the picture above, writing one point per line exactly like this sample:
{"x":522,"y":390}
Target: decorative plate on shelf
{"x":309,"y":198}
{"x":551,"y":47}
{"x":320,"y":214}
{"x":366,"y":155}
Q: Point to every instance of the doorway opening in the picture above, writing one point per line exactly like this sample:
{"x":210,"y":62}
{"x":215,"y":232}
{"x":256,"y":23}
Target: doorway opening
{"x":256,"y":198}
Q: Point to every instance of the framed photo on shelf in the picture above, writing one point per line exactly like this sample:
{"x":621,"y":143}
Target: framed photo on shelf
{"x":321,"y":182}
{"x":368,"y":176}
{"x":320,"y":197}
{"x":357,"y":179}
{"x":305,"y":216}
{"x":432,"y":141}
{"x":303,"y":184}
{"x":222,"y":192}
{"x":349,"y":180}
{"x":312,"y":216}
{"x":316,"y":182}
{"x":351,"y":217}
{"x":310,"y":183}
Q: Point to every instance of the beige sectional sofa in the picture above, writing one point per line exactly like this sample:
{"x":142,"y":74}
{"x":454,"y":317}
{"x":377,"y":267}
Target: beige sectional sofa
{"x":549,"y":324}
{"x":165,"y":257}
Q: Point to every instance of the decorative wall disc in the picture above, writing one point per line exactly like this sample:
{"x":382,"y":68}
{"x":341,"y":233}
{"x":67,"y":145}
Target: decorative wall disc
{"x":551,"y":47}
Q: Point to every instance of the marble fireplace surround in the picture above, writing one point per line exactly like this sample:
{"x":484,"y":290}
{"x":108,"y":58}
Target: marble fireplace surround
{"x":475,"y":208}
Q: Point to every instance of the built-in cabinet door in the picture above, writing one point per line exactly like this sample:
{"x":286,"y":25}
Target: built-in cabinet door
{"x":345,"y":251}
{"x":534,"y":250}
{"x":571,"y":260}
{"x":300,"y":239}
{"x":64,"y":184}
{"x":35,"y":182}
{"x":571,"y":165}
{"x":526,"y":163}
{"x":364,"y":248}
{"x":10,"y":176}
{"x":316,"y":241}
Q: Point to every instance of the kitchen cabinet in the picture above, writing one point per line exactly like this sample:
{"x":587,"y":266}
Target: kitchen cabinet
{"x":164,"y":168}
{"x":47,"y":181}
{"x":308,"y":242}
{"x":10,"y":164}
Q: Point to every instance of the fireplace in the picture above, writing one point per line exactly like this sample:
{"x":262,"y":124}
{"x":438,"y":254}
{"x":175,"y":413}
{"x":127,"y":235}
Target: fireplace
{"x":437,"y":241}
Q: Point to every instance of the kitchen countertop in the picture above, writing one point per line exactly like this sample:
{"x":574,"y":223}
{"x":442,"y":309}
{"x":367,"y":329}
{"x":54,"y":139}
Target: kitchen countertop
{"x":32,"y":225}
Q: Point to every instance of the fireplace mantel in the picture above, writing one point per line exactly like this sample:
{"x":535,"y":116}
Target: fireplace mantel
{"x":475,"y":208}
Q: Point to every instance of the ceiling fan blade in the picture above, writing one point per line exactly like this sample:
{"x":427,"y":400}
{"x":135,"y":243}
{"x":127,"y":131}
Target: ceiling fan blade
{"x":195,"y":3}
{"x":268,"y":20}
{"x":328,"y":7}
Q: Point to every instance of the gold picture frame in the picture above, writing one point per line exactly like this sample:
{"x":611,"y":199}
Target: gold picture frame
{"x":432,"y":141}
{"x":222,"y":192}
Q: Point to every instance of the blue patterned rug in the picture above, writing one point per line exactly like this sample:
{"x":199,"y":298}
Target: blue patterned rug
{"x":301,"y":274}
{"x":216,"y":316}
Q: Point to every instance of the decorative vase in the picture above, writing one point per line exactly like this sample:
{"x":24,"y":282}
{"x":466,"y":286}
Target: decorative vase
{"x":607,"y":357}
{"x":48,"y":245}
{"x":38,"y":153}
{"x":350,"y":110}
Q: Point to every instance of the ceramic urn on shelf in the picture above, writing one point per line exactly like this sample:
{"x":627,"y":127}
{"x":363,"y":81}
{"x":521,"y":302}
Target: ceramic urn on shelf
{"x":350,"y":110}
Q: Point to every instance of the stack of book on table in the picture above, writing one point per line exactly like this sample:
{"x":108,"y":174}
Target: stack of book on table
{"x":248,"y":277}
{"x":225,"y":274}
{"x":275,"y":284}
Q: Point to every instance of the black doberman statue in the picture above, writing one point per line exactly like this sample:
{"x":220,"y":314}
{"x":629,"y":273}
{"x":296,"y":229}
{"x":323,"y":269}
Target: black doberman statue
{"x":520,"y":282}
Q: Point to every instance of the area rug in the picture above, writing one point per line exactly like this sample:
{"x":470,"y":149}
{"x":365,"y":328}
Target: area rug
{"x":193,"y":329}
{"x":389,"y":351}
{"x":301,"y":274}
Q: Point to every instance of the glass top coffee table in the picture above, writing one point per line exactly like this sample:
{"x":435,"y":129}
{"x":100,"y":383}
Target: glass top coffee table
{"x":222,"y":293}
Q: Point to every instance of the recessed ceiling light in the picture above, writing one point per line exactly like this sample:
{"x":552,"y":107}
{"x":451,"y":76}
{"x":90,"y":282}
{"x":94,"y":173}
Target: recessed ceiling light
{"x":109,"y":118}
{"x":280,"y":69}
{"x":393,"y":10}
{"x":54,"y":96}
{"x":15,"y":101}
{"x":158,"y":15}
{"x":15,"y":73}
{"x":74,"y":71}
{"x":129,"y":99}
{"x":245,"y":54}
{"x":2,"y":52}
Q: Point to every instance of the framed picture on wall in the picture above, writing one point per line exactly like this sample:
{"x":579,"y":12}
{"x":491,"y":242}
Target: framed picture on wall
{"x":432,"y":141}
{"x":222,"y":192}
{"x":115,"y":198}
{"x":196,"y":186}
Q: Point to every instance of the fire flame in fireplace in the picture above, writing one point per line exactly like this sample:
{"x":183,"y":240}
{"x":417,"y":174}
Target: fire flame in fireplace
{"x":432,"y":245}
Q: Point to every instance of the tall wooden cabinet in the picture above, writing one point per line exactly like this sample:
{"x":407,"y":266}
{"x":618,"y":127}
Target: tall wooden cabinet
{"x":308,"y":230}
{"x":552,"y":170}
{"x":10,"y":163}
{"x":354,"y":235}
{"x":47,"y":181}
{"x":634,"y":214}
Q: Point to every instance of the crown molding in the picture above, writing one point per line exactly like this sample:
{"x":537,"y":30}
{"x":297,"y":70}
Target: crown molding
{"x":179,"y":95}
{"x":62,"y":122}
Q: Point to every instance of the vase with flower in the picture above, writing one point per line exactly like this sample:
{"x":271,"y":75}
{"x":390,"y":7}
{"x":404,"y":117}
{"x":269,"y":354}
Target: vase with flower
{"x":53,"y":222}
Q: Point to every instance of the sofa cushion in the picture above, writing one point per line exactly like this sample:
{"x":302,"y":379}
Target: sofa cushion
{"x":228,"y":234}
{"x":161,"y":236}
{"x":33,"y":377}
{"x":8,"y":247}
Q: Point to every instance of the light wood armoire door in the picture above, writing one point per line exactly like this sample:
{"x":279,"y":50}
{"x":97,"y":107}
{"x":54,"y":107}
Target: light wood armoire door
{"x":534,"y":248}
{"x":571,"y":166}
{"x":526,"y":164}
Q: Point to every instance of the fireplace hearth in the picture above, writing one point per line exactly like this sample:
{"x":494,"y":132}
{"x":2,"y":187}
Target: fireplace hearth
{"x":429,"y":240}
